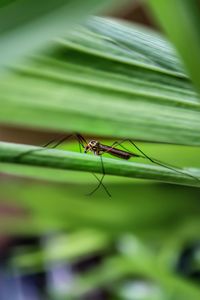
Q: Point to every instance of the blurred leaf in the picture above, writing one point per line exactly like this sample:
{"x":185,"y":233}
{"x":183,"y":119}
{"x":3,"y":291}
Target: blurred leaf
{"x":67,"y":206}
{"x":109,"y":79}
{"x":181,"y":20}
{"x":104,"y":78}
{"x":72,"y":247}
{"x":29,"y":25}
{"x":137,"y":262}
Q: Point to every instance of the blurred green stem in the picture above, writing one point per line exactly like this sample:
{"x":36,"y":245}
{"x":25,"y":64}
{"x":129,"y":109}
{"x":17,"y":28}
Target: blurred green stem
{"x":30,"y":155}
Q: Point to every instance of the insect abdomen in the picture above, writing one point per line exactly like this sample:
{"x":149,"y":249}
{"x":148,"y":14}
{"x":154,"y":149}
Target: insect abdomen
{"x":117,"y":152}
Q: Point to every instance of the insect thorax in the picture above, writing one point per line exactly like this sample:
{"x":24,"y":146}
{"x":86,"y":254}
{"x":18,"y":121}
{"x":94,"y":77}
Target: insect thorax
{"x":93,"y":145}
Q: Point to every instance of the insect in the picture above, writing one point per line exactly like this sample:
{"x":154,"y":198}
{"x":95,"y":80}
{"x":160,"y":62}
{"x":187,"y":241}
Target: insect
{"x":99,"y":149}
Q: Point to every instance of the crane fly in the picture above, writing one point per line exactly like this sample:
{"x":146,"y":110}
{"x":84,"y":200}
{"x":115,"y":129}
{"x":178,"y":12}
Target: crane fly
{"x":99,"y":149}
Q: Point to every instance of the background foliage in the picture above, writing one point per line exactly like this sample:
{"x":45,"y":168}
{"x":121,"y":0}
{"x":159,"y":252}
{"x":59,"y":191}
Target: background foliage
{"x":112,"y":80}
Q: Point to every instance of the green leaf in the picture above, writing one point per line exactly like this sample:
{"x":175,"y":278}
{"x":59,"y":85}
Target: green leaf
{"x":27,"y":26}
{"x":181,"y":21}
{"x":68,"y":206}
{"x":107,"y":78}
{"x":57,"y":159}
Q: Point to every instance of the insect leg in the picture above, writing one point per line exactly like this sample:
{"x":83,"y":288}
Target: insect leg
{"x":101,"y":183}
{"x":81,"y":140}
{"x":160,"y":163}
{"x":100,"y":180}
{"x":153,"y":160}
{"x":62,"y":140}
{"x":59,"y":142}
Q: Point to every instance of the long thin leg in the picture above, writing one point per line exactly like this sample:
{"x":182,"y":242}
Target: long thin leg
{"x":80,"y":140}
{"x":100,"y":180}
{"x":49,"y":143}
{"x":18,"y":157}
{"x":80,"y":146}
{"x":59,"y":142}
{"x":101,"y":183}
{"x":160,"y":163}
{"x":155,"y":161}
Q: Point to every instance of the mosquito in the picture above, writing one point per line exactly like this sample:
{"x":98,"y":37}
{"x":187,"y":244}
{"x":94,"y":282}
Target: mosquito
{"x":99,"y":149}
